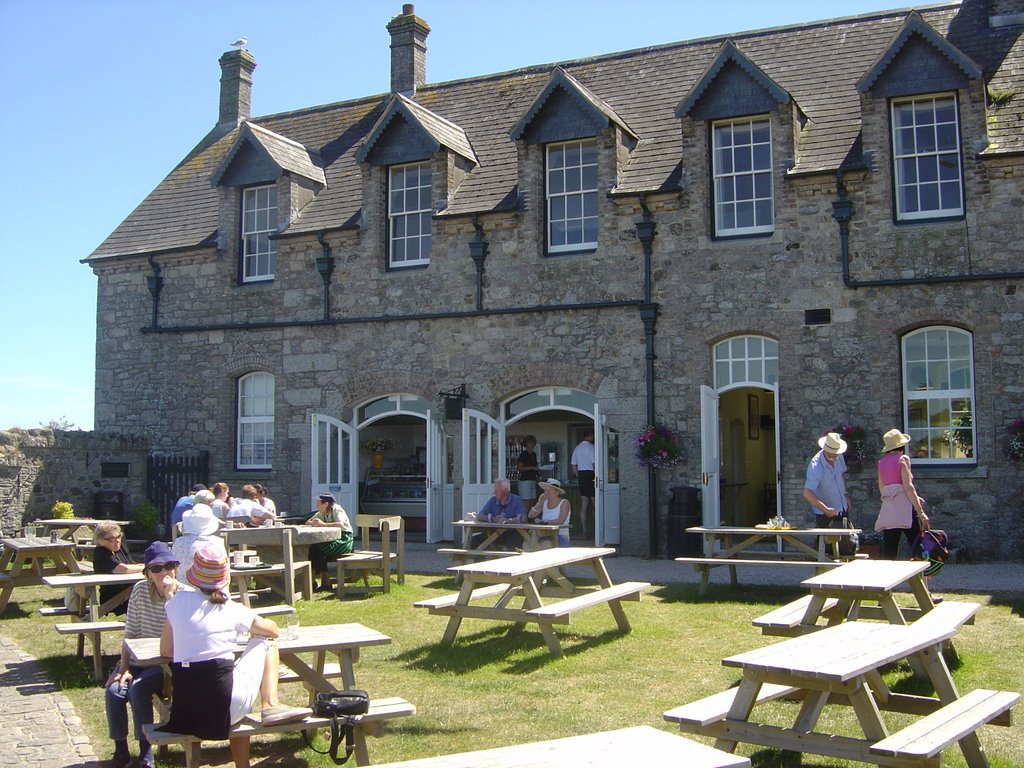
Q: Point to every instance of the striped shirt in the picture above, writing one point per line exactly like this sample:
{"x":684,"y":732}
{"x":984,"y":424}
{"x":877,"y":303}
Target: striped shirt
{"x":146,"y":615}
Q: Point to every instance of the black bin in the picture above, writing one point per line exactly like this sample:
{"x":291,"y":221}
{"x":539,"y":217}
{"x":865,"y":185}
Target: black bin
{"x":683,"y":512}
{"x":108,"y":505}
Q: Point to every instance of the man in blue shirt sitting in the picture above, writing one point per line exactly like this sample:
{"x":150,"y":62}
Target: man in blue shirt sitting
{"x":503,"y":507}
{"x":184,"y":504}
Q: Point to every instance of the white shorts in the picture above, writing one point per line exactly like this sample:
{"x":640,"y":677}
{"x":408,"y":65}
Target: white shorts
{"x":248,"y":677}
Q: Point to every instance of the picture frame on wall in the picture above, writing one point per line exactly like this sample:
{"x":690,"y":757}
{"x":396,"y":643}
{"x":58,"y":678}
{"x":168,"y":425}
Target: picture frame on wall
{"x":753,"y":417}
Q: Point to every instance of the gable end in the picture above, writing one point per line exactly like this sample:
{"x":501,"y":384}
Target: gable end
{"x":400,"y":141}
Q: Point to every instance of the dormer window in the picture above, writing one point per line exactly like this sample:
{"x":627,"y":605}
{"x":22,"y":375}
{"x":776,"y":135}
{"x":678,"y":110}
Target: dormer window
{"x":409,"y":215}
{"x":742,"y":170}
{"x":572,"y":195}
{"x":926,"y":158}
{"x":259,"y":221}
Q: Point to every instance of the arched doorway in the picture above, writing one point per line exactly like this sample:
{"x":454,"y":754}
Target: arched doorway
{"x":739,"y":442}
{"x":557,"y":417}
{"x":412,"y":478}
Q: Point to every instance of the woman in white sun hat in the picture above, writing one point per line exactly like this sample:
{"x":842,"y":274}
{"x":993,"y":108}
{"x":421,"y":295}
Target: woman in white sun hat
{"x":902,"y":512}
{"x":552,"y":509}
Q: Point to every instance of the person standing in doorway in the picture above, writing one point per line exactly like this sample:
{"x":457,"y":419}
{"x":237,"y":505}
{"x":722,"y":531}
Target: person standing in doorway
{"x":825,"y":486}
{"x":527,"y":466}
{"x":583,"y":470}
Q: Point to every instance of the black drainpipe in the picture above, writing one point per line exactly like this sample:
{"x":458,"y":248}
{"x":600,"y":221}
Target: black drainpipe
{"x":478,"y":250}
{"x":645,"y":231}
{"x":155,"y":283}
{"x":325,"y":266}
{"x":842,"y":212}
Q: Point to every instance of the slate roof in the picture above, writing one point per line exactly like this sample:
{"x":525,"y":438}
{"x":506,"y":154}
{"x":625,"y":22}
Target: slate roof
{"x":288,"y":155}
{"x":819,"y":64}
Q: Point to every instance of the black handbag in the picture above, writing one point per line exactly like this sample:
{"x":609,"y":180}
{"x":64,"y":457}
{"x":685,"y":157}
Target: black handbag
{"x":345,"y":708}
{"x":847,"y":544}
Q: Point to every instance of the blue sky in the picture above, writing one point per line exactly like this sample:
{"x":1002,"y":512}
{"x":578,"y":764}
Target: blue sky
{"x":100,"y":99}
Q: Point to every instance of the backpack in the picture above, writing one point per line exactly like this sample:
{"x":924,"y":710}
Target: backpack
{"x":932,"y":546}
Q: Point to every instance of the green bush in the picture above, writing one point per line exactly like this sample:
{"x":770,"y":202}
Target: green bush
{"x":63,"y":510}
{"x":146,"y":517}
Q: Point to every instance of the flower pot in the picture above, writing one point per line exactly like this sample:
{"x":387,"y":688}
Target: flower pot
{"x":378,"y":460}
{"x":874,"y":551}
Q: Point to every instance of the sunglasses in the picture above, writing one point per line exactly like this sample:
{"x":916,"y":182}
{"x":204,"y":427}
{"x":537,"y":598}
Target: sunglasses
{"x":162,"y":567}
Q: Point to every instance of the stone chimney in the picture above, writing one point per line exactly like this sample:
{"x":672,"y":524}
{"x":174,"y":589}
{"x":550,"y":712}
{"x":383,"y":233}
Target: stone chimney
{"x":235,"y":87}
{"x":1005,"y":13}
{"x":408,"y":51}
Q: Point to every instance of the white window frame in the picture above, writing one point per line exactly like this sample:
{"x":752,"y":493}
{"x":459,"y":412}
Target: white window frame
{"x":929,"y":153}
{"x":409,"y":214}
{"x":255,"y":429}
{"x":571,"y":195}
{"x":259,"y":221}
{"x":742,"y":176}
{"x":941,"y":384}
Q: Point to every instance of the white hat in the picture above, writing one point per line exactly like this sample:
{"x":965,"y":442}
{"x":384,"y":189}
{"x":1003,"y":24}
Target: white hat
{"x":199,"y":521}
{"x":553,"y":483}
{"x":894,"y":439}
{"x":832,"y":443}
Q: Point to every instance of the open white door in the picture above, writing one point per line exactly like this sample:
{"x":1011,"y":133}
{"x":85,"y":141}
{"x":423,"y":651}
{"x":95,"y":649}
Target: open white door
{"x":483,"y":456}
{"x":710,"y":460}
{"x":606,"y":499}
{"x":439,"y":519}
{"x":334,"y":462}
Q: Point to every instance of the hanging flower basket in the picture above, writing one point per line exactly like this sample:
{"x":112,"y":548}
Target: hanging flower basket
{"x":656,"y":446}
{"x":1015,"y":445}
{"x":856,"y":438}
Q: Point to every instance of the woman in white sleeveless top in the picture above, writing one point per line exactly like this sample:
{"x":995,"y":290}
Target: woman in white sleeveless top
{"x":552,"y":509}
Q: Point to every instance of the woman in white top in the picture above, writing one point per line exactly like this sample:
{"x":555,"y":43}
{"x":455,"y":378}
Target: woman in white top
{"x":552,"y":509}
{"x":213,"y":691}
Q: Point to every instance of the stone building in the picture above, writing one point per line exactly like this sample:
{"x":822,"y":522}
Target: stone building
{"x":747,"y":239}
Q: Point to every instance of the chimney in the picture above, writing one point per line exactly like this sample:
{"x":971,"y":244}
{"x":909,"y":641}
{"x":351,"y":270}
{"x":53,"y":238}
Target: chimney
{"x":408,"y":51}
{"x":235,"y":87}
{"x":1005,"y":13}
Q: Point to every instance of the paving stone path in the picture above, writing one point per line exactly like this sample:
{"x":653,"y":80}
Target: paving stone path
{"x":38,"y":726}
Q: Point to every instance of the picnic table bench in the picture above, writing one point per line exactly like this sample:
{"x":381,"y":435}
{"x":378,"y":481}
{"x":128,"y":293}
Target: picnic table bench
{"x":731,"y":546}
{"x":522,"y":576}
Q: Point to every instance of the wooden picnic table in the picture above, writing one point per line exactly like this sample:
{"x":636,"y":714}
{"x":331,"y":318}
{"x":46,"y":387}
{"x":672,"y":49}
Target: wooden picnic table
{"x":523,"y":576}
{"x":66,"y":527}
{"x":867,"y":580}
{"x":731,"y":545}
{"x":266,"y":540}
{"x":88,"y":586}
{"x":534,"y":534}
{"x":23,"y":563}
{"x":341,"y":640}
{"x":641,"y":744}
{"x":841,"y":664}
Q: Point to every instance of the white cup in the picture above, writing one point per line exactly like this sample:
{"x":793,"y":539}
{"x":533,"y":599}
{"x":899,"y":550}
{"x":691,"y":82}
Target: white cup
{"x":236,"y":558}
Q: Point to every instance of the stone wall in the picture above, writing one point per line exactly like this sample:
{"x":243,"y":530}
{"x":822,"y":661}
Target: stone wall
{"x":39,"y":467}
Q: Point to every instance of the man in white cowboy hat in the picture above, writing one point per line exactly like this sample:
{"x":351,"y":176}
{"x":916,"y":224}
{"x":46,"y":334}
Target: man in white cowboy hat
{"x":825,"y":486}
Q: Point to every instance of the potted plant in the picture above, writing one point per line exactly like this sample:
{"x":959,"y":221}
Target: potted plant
{"x":375,"y":447}
{"x":656,"y":446}
{"x":871,"y":544}
{"x":146,"y":523}
{"x":63,"y":510}
{"x":857,"y":452}
{"x":1015,"y":443}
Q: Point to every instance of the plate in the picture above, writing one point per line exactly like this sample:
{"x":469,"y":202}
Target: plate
{"x":249,"y":566}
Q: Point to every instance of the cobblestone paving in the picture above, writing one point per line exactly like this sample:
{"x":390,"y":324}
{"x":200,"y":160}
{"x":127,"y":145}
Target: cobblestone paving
{"x":38,"y":726}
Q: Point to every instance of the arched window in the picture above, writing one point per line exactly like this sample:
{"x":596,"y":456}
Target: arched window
{"x":938,"y":394}
{"x":746,"y":360}
{"x":255,"y":421}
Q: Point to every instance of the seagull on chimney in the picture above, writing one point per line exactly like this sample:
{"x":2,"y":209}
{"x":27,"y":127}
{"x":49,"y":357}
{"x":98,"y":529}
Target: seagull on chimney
{"x":240,"y":43}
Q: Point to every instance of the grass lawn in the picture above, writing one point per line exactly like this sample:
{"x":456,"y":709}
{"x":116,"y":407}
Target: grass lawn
{"x":497,"y":687}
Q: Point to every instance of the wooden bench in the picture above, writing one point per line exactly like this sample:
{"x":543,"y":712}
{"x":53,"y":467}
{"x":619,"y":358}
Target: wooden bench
{"x":274,"y":610}
{"x":56,"y":610}
{"x":957,"y":721}
{"x":561,"y":612}
{"x":716,"y":707}
{"x":460,"y":556}
{"x":703,"y":566}
{"x":447,"y":601}
{"x":785,"y":620}
{"x":94,"y":631}
{"x":381,"y":710}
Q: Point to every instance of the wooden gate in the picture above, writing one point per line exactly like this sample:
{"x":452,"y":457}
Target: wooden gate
{"x":171,"y":476}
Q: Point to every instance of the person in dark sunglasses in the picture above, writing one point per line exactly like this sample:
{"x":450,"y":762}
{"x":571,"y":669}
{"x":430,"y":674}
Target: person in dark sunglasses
{"x":137,"y":684}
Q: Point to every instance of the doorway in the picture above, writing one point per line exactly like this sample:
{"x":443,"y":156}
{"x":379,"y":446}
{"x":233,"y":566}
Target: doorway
{"x":739,"y":441}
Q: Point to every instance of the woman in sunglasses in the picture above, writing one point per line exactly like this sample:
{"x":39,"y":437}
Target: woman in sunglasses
{"x":111,"y":556}
{"x":135,"y":684}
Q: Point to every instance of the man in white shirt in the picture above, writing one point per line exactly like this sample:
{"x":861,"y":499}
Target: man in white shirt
{"x":247,"y":510}
{"x":583,"y":469}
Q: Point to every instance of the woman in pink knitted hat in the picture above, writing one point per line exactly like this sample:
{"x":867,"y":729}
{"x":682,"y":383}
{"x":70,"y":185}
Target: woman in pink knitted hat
{"x":213,"y":691}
